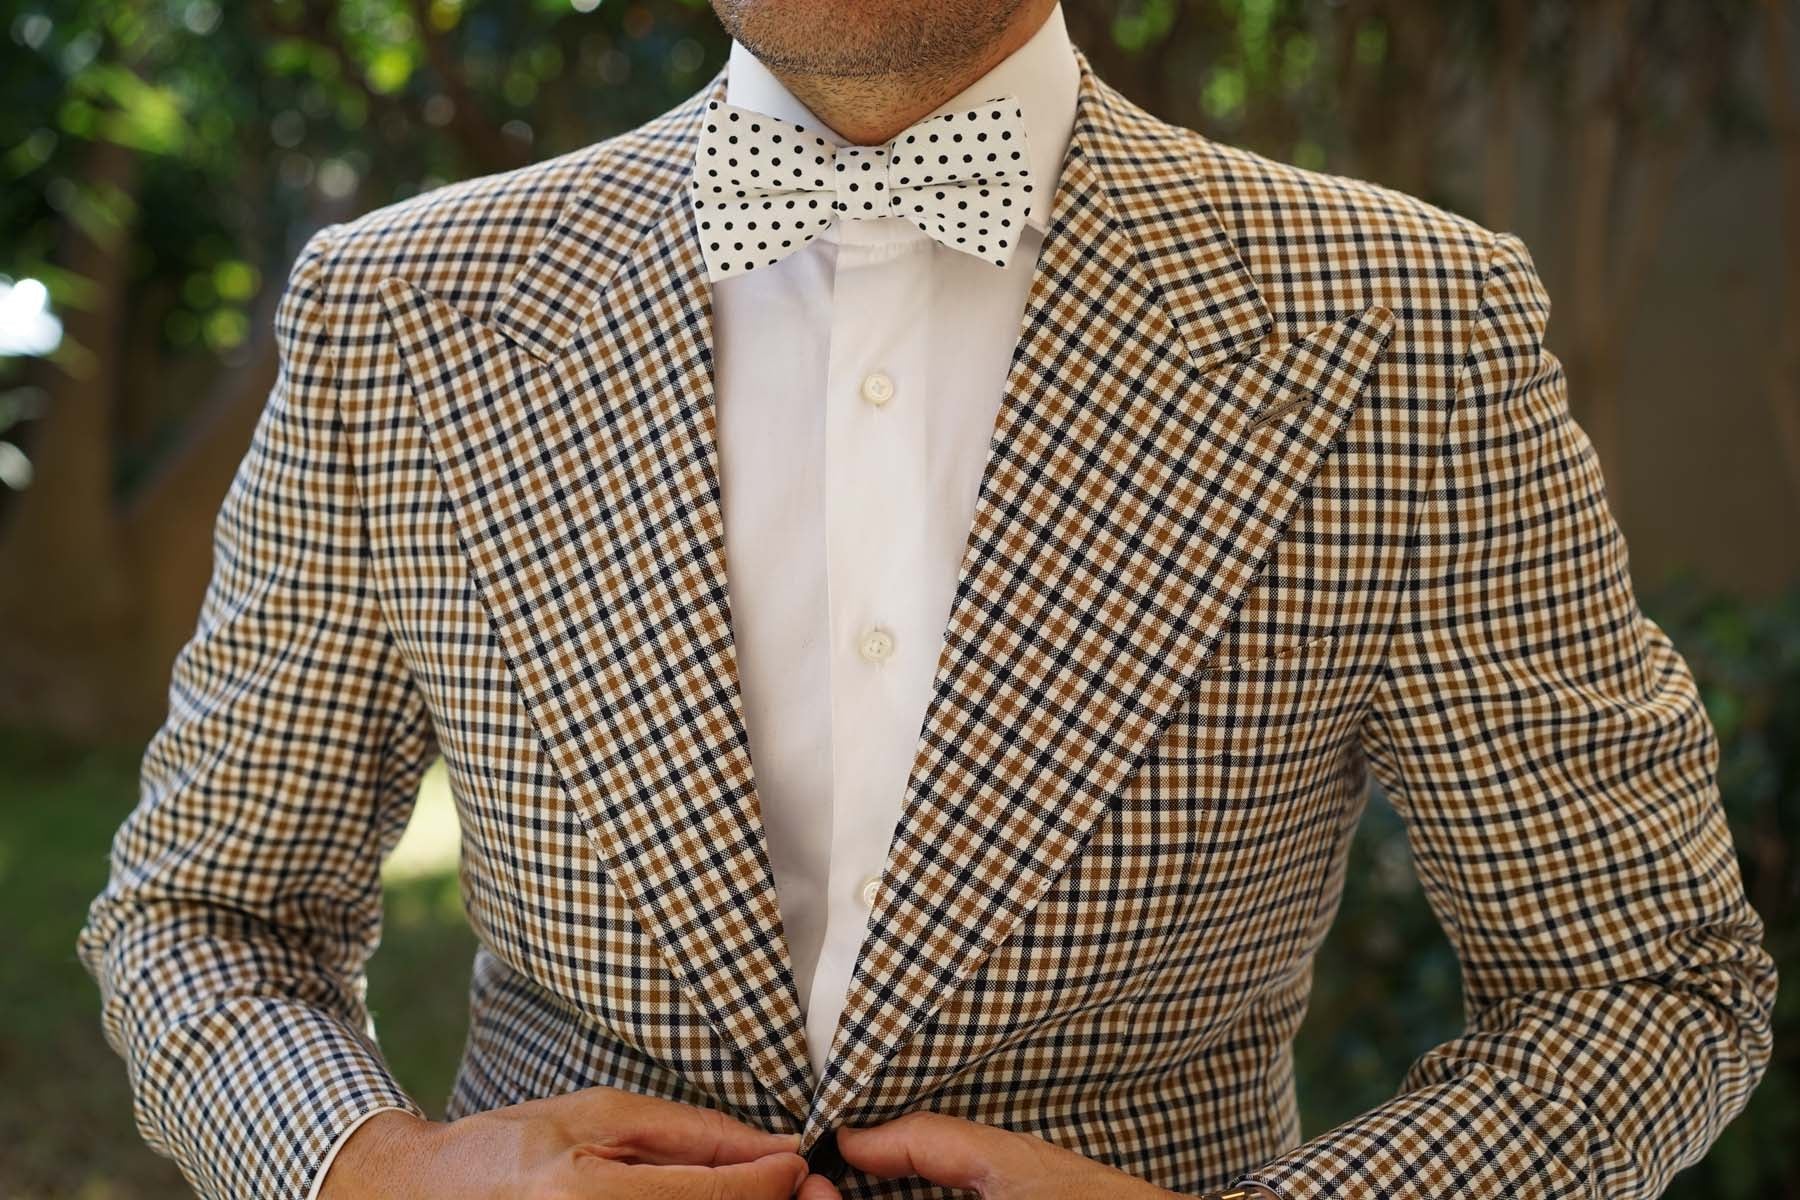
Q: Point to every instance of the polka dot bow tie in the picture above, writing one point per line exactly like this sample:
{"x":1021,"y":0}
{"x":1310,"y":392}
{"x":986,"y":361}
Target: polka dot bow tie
{"x":764,"y":187}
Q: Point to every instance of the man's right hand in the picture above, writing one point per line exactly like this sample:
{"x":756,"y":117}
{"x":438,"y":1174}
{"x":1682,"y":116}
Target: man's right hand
{"x":598,"y":1142}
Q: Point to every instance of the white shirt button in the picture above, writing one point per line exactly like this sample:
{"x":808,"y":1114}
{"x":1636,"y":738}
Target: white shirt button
{"x":877,"y":388}
{"x":870,"y":887}
{"x":876,"y":644}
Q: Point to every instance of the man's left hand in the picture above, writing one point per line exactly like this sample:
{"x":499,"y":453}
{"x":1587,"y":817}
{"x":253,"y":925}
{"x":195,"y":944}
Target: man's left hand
{"x":993,"y":1163}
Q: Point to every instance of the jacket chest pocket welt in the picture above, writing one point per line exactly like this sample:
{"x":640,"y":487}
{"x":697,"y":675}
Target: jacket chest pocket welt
{"x":1259,"y":726}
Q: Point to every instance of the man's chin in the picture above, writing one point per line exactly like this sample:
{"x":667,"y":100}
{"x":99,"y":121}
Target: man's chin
{"x":863,"y":39}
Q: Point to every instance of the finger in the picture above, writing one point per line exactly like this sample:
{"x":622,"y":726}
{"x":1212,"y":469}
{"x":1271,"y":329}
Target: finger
{"x":817,"y":1187}
{"x":655,"y":1130}
{"x":772,"y":1177}
{"x":934,"y":1146}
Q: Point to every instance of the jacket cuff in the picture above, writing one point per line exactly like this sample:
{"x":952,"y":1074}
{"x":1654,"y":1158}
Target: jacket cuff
{"x":1479,"y":1137}
{"x":254,"y":1098}
{"x":324,"y":1168}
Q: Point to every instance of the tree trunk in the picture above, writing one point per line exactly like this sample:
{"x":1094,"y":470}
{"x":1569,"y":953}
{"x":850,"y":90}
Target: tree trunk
{"x":1500,"y":173}
{"x":1784,"y":383}
{"x":1591,"y":358}
{"x":66,"y":604}
{"x":167,"y":525}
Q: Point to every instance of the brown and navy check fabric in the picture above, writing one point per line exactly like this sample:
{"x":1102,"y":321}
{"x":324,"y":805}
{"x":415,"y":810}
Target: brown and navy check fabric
{"x":1284,"y":490}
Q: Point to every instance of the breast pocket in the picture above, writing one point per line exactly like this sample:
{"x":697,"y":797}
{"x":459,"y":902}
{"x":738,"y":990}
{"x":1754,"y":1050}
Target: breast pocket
{"x":1264,"y":717}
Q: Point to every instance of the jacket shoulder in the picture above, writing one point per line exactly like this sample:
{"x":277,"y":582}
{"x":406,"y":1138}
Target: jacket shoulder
{"x":463,"y":241}
{"x":1320,"y":244}
{"x":466,"y":241}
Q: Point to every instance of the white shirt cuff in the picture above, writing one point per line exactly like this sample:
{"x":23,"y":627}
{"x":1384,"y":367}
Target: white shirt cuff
{"x":319,"y":1175}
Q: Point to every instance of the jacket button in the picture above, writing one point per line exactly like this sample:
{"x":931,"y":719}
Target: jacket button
{"x":824,"y":1159}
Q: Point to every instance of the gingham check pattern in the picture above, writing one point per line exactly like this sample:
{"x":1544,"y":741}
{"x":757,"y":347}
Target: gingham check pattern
{"x":1283,"y":487}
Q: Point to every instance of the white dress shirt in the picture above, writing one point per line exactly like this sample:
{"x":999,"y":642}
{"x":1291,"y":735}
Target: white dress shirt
{"x":858,"y":380}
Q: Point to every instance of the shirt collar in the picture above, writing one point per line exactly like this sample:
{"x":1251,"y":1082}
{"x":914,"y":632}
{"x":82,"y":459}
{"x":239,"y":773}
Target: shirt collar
{"x":1042,"y":74}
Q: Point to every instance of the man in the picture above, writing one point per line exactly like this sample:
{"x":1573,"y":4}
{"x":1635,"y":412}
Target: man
{"x":1100,"y":502}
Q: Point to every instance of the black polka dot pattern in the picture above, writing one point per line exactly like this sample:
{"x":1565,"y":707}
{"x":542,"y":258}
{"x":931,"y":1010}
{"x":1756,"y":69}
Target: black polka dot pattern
{"x":763,"y":187}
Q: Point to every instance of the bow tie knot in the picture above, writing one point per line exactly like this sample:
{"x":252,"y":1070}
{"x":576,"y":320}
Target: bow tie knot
{"x":763,"y":187}
{"x":863,"y":188}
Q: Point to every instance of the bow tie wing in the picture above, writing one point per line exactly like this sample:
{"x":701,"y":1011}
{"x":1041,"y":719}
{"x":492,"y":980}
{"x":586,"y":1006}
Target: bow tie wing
{"x":965,"y":178}
{"x":762,"y":188}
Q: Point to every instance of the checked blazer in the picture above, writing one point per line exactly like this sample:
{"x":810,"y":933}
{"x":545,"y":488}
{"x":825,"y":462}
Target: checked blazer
{"x":1284,"y":491}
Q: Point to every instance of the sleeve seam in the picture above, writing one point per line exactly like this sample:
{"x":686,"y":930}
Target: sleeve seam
{"x":324,"y":244}
{"x":1464,"y":373}
{"x":328,"y":247}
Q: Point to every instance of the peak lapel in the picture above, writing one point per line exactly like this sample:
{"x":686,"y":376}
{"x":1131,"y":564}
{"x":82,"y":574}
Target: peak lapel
{"x":574,"y":433}
{"x":1148,"y":451}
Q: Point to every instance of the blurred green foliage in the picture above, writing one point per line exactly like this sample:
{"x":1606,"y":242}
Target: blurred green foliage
{"x":249,"y":124}
{"x":254,"y":121}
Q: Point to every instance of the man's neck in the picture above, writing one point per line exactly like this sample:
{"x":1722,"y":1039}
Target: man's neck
{"x":869,"y":110}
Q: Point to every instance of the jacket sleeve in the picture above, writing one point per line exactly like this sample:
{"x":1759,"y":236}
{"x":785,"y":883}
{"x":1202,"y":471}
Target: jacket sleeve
{"x":1547,"y":749}
{"x":245,"y":896}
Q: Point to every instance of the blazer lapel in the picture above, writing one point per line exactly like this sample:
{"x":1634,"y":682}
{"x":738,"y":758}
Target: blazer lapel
{"x":1149,"y":449}
{"x":574,"y":434}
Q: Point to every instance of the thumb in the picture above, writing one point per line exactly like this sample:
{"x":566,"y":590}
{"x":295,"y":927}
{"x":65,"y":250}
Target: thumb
{"x":943,"y":1149}
{"x":665,"y":1131}
{"x":771,"y":1177}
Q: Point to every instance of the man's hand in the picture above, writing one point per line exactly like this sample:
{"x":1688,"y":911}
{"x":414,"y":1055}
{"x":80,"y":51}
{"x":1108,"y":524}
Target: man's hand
{"x":994,"y":1163}
{"x":599,"y":1142}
